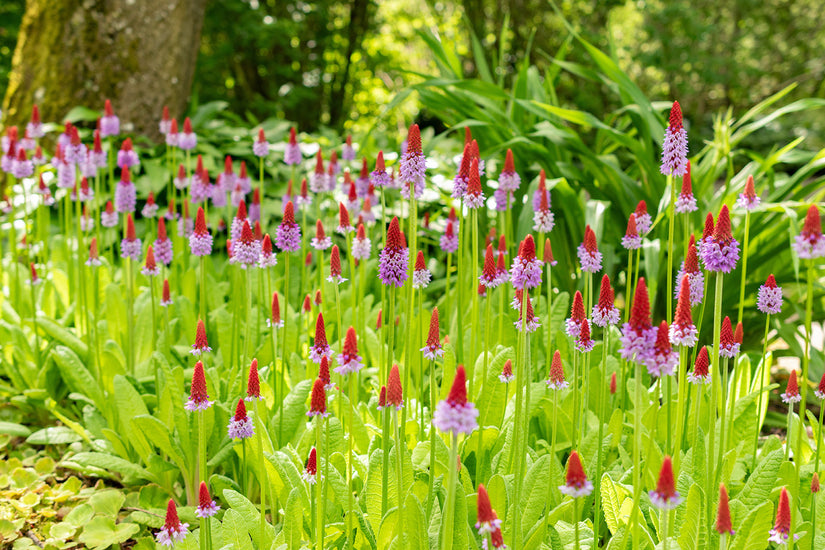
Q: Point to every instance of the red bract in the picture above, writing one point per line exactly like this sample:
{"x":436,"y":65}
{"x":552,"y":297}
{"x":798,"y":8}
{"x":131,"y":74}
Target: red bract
{"x":318,"y":400}
{"x":394,"y":391}
{"x":640,"y":312}
{"x":253,"y":384}
{"x":723,"y":523}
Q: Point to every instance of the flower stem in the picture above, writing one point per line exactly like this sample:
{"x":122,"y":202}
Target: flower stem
{"x":597,"y":499}
{"x":487,"y":322}
{"x":762,"y":389}
{"x":399,"y":454}
{"x":715,"y":383}
{"x":788,"y":437}
{"x":637,"y":447}
{"x":283,"y":350}
{"x":449,"y":507}
{"x":576,"y":521}
{"x":474,"y":294}
{"x":806,"y":359}
{"x":351,"y":512}
{"x":319,"y":485}
{"x":261,"y":464}
{"x":744,"y":265}
{"x":665,"y":540}
{"x":522,"y":383}
{"x":385,"y":460}
{"x":680,"y":406}
{"x":430,"y":495}
{"x":130,"y":277}
{"x":202,"y":470}
{"x":670,"y":254}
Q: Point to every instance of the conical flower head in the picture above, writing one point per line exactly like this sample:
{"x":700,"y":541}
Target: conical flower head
{"x":414,"y":139}
{"x":723,"y":523}
{"x":700,"y":374}
{"x":173,"y":531}
{"x":489,"y":275}
{"x":166,"y":298}
{"x":748,"y":199}
{"x":474,"y":198}
{"x":394,"y":392}
{"x":335,"y":266}
{"x":640,"y":312}
{"x":323,"y":373}
{"x":455,"y":414}
{"x":150,"y":268}
{"x":433,"y":348}
{"x":576,"y":483}
{"x":506,"y":375}
{"x":683,"y":332}
{"x":240,"y":425}
{"x":605,"y":312}
{"x":675,"y":118}
{"x":198,"y":398}
{"x":485,"y":516}
{"x":815,"y":483}
{"x":613,"y":384}
{"x":253,"y":384}
{"x":728,"y":347}
{"x":206,"y":506}
{"x":686,"y":202}
{"x":631,"y":239}
{"x":349,"y":361}
{"x":791,"y":394}
{"x":382,"y":398}
{"x":320,"y":331}
{"x":526,"y":269}
{"x":810,"y":243}
{"x":674,"y":146}
{"x":782,"y":526}
{"x":556,"y":380}
{"x":201,"y":344}
{"x":344,"y":225}
{"x":577,"y":315}
{"x":663,"y":360}
{"x":665,"y":496}
{"x":820,"y":389}
{"x":643,"y":219}
{"x":312,"y":463}
{"x":393,"y":260}
{"x":318,"y":399}
{"x":275,"y":312}
{"x":588,"y":252}
{"x":584,"y":343}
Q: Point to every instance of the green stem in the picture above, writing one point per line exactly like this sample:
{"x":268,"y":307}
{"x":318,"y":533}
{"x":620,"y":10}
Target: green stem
{"x":637,"y":446}
{"x":788,"y":438}
{"x":600,"y":414}
{"x":130,"y":331}
{"x":319,"y":485}
{"x":680,"y":406}
{"x":522,"y":387}
{"x":385,"y":461}
{"x":715,"y":383}
{"x":261,"y":465}
{"x":202,"y":470}
{"x":576,"y":521}
{"x":350,"y":501}
{"x":806,"y":359}
{"x":480,"y":448}
{"x":474,"y":294}
{"x":744,"y":265}
{"x":399,"y":453}
{"x":762,"y":398}
{"x":283,"y":351}
{"x":449,"y":507}
{"x":430,"y":481}
{"x":670,"y":252}
{"x":664,"y":522}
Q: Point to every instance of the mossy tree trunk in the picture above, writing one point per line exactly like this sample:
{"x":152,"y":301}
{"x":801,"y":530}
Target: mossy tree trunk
{"x":138,"y":53}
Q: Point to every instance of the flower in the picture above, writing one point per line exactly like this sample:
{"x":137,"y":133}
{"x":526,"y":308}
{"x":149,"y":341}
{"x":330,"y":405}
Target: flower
{"x":683,"y":332}
{"x":260,"y":147}
{"x":413,"y":165}
{"x":686,"y":202}
{"x":449,"y":240}
{"x":393,"y":260}
{"x":723,"y":523}
{"x":533,"y":321}
{"x":748,"y":200}
{"x":201,"y":345}
{"x":573,"y":324}
{"x":769,"y":298}
{"x":782,"y":526}
{"x":109,"y":122}
{"x":696,"y":279}
{"x":150,"y":209}
{"x":310,"y":474}
{"x":665,"y":496}
{"x":721,"y":251}
{"x":125,"y":193}
{"x":486,"y":520}
{"x":166,"y":299}
{"x":198,"y":398}
{"x":421,"y":275}
{"x":664,"y":359}
{"x":173,"y":530}
{"x":541,"y":190}
{"x":237,"y":222}
{"x":130,"y":246}
{"x":643,"y":219}
{"x":150,"y":268}
{"x":172,"y":136}
{"x":526,"y":269}
{"x":700,"y":373}
{"x":335,"y":267}
{"x":433,"y":348}
{"x":206,"y":506}
{"x":394,"y":395}
{"x":556,"y":380}
{"x":267,"y":257}
{"x":200,"y":241}
{"x":292,"y":153}
{"x":631,"y":239}
{"x":361,"y":244}
{"x":588,"y":252}
{"x":288,"y":233}
{"x":455,"y":414}
{"x":240,"y":425}
{"x":344,"y":225}
{"x":187,"y":140}
{"x":382,"y":398}
{"x":22,"y":167}
{"x":320,"y":241}
{"x":165,"y":123}
{"x":728,"y":346}
{"x":548,"y":252}
{"x":613,"y":384}
{"x":275,"y":320}
{"x":35,"y":127}
{"x":509,"y":180}
{"x":323,"y":374}
{"x":543,"y":219}
{"x":675,"y":145}
{"x":791,"y":394}
{"x":489,"y":275}
{"x":349,"y":360}
{"x":507,"y":375}
{"x":605,"y":312}
{"x":576,"y":483}
{"x":318,"y":399}
{"x":246,"y":251}
{"x":584,"y":343}
{"x":638,"y":335}
{"x":320,"y":347}
{"x":815,"y":483}
{"x":253,"y":383}
{"x":94,"y":259}
{"x":379,"y":177}
{"x":707,"y":231}
{"x":126,"y":157}
{"x":474,"y":198}
{"x":820,"y":390}
{"x":810,"y":243}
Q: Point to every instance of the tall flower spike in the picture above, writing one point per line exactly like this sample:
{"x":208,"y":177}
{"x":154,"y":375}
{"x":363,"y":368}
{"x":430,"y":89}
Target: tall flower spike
{"x":631,"y":239}
{"x":556,"y":380}
{"x":379,"y":177}
{"x":130,"y":246}
{"x":94,"y":258}
{"x":320,"y":241}
{"x":292,"y":153}
{"x":815,"y":483}
{"x":584,"y":343}
{"x":663,"y":360}
{"x":613,"y":384}
{"x":486,"y":519}
{"x":769,"y":298}
{"x":433,"y":348}
{"x":206,"y":506}
{"x":791,"y":394}
{"x":150,"y":268}
{"x":728,"y":347}
{"x":700,"y":374}
{"x":507,"y":375}
{"x":173,"y":530}
{"x":260,"y":147}
{"x":474,"y":197}
{"x":310,"y":474}
{"x":198,"y":398}
{"x":361,"y":244}
{"x":526,"y":269}
{"x":449,"y":240}
{"x":200,"y":241}
{"x":166,"y":298}
{"x":421,"y":275}
{"x":573,"y":324}
{"x":533,"y":321}
{"x":267,"y":257}
{"x":576,"y":483}
{"x":393,"y":260}
{"x":323,"y":374}
{"x":543,"y":218}
{"x":455,"y":414}
{"x":163,"y":244}
{"x":288,"y":233}
{"x":247,"y":250}
{"x":335,"y":267}
{"x":723,"y":523}
{"x":275,"y":320}
{"x":489,"y":276}
{"x":395,"y":397}
{"x":820,"y":389}
{"x":683,"y":332}
{"x":320,"y":347}
{"x":810,"y":243}
{"x":782,"y":526}
{"x":201,"y":345}
{"x":721,"y":251}
{"x":696,"y":277}
{"x":253,"y":384}
{"x":589,"y":255}
{"x":509,"y":180}
{"x":748,"y":199}
{"x":638,"y":335}
{"x":643,"y":219}
{"x":686,"y":202}
{"x":318,"y":399}
{"x":665,"y":496}
{"x":605,"y":312}
{"x":413,"y":165}
{"x":675,"y":145}
{"x":382,"y":398}
{"x":349,"y":361}
{"x":240,"y":425}
{"x":344,"y":225}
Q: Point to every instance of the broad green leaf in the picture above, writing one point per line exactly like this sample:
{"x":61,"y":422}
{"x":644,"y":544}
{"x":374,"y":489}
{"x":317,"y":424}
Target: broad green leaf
{"x":534,"y":493}
{"x":130,"y":471}
{"x":688,"y":529}
{"x":293,"y":520}
{"x":761,"y":482}
{"x":55,"y":435}
{"x":102,"y":532}
{"x":64,"y":336}
{"x":251,"y":517}
{"x":752,"y":532}
{"x":613,"y":496}
{"x":76,"y":376}
{"x":234,"y":531}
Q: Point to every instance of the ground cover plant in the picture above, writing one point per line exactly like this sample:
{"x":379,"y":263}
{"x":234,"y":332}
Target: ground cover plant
{"x":512,"y":333}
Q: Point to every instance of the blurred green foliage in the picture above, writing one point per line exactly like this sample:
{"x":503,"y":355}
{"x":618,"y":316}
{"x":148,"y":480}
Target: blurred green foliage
{"x":11,"y":13}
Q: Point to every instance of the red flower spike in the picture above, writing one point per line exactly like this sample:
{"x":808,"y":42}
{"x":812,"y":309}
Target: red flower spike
{"x":613,"y":384}
{"x":464,"y":167}
{"x":813,"y":224}
{"x":468,"y":135}
{"x":204,"y":498}
{"x":320,"y":331}
{"x":683,"y":315}
{"x":484,"y":511}
{"x":691,"y":259}
{"x":361,"y":234}
{"x":350,"y":343}
{"x":675,"y":119}
{"x":166,"y":294}
{"x":130,"y":228}
{"x":365,"y":171}
{"x":379,"y":162}
{"x":318,"y":401}
{"x":783,"y":514}
{"x":641,"y":208}
{"x":200,"y":336}
{"x":93,"y":254}
{"x":452,"y":216}
{"x":312,"y":462}
{"x":815,"y":483}
{"x":821,"y":387}
{"x":335,"y":262}
{"x":556,"y":369}
{"x":241,"y":214}
{"x":266,"y":246}
{"x":509,"y":164}
{"x":289,"y":214}
{"x":666,"y":487}
{"x":293,"y":140}
{"x":394,"y":392}
{"x":750,"y":192}
{"x":304,"y":191}
{"x":35,"y":114}
{"x":414,"y":140}
{"x":708,"y":230}
{"x":173,"y":126}
{"x":577,"y":310}
{"x":318,"y":298}
{"x":726,"y":333}
{"x":770,"y":282}
{"x":575,"y":476}
{"x":253,"y":384}
{"x":240,"y":411}
{"x":449,"y":232}
{"x":308,"y":259}
{"x":458,"y":391}
{"x":548,"y":253}
{"x":501,"y":267}
{"x":489,"y":272}
{"x":172,"y":519}
{"x":590,"y":240}
{"x":319,"y":163}
{"x":723,"y":523}
{"x":722,"y":230}
{"x":640,"y":312}
{"x":605,"y":294}
{"x":150,"y":264}
{"x":631,"y":227}
{"x":378,"y":320}
{"x":507,"y":370}
{"x":197,"y":392}
{"x":687,"y":185}
{"x":352,"y":195}
{"x":700,"y":367}
{"x":420,"y":265}
{"x":527,"y":250}
{"x":343,"y":216}
{"x":738,"y":333}
{"x":323,"y":371}
{"x":792,"y":389}
{"x":276,"y":309}
{"x":200,"y":222}
{"x":502,"y":245}
{"x":474,"y":182}
{"x":187,"y":126}
{"x":246,"y":233}
{"x":662,"y":344}
{"x":382,"y":397}
{"x":395,"y":238}
{"x":543,"y":205}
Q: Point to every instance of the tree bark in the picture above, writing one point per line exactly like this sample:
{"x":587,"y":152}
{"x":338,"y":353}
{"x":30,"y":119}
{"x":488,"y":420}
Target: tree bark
{"x":138,"y":53}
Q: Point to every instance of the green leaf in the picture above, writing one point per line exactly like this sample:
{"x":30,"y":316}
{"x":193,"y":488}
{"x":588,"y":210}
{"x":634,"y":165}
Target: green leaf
{"x":414,"y":525}
{"x":130,"y":471}
{"x":752,"y":533}
{"x":13,"y":429}
{"x":534,"y":493}
{"x":293,"y":520}
{"x":107,"y":503}
{"x":689,"y":535}
{"x":613,"y":496}
{"x":102,"y":532}
{"x":64,"y":336}
{"x":758,"y":488}
{"x":251,"y":517}
{"x":294,"y":411}
{"x":130,"y":404}
{"x":156,"y":432}
{"x":234,"y":531}
{"x":76,"y":376}
{"x":55,"y":435}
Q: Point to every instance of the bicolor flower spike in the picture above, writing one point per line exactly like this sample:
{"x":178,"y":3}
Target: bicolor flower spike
{"x":556,"y":380}
{"x":455,"y":414}
{"x":665,"y":496}
{"x":769,"y":298}
{"x":173,"y":530}
{"x":675,"y":145}
{"x":605,"y":312}
{"x":240,"y":425}
{"x":206,"y":506}
{"x":791,"y":394}
{"x":810,"y":243}
{"x":432,"y":350}
{"x":349,"y":361}
{"x":201,"y":344}
{"x":576,"y":483}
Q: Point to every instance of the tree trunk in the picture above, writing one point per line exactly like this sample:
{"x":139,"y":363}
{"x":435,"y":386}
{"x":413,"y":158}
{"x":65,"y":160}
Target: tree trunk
{"x":138,"y":53}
